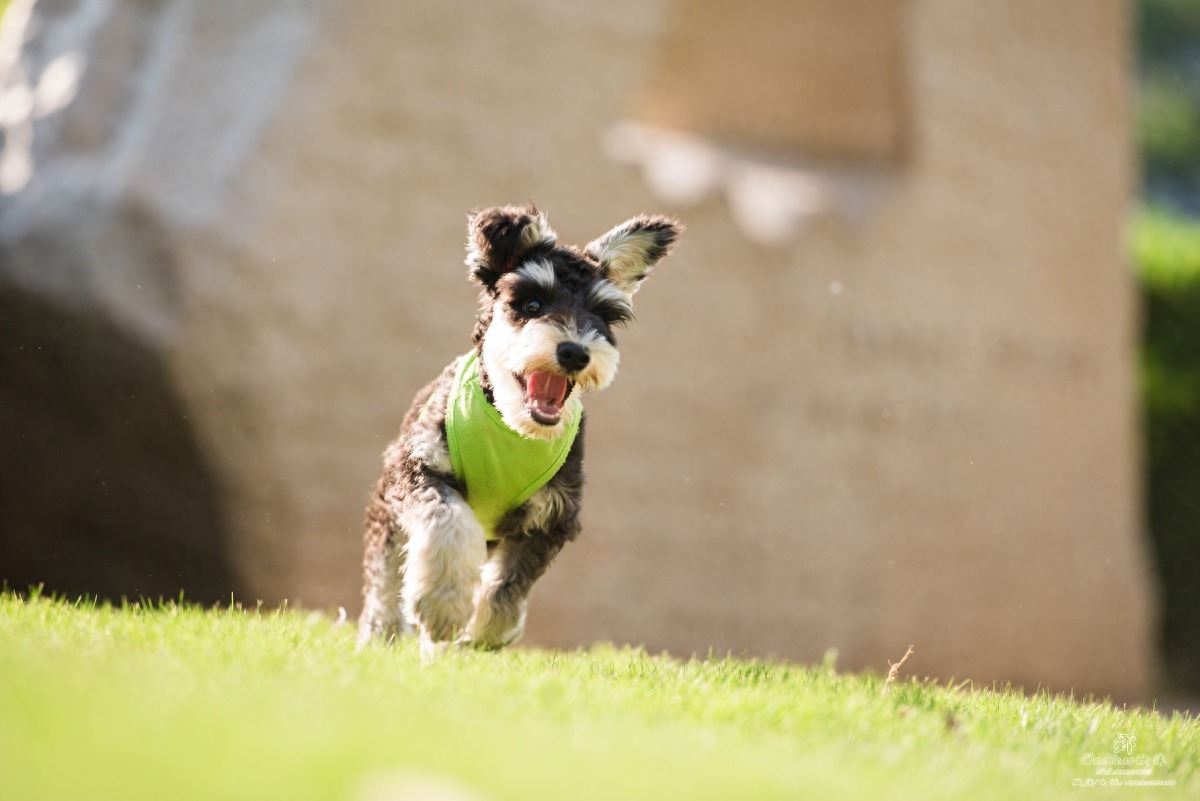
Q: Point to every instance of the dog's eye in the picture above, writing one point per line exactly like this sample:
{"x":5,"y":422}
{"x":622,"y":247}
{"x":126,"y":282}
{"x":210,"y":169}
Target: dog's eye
{"x":531,"y":307}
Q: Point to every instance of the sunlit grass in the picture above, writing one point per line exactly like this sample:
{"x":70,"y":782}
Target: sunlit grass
{"x":178,"y":702}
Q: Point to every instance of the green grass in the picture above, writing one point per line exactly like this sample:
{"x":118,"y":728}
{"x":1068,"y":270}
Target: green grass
{"x":178,"y":702}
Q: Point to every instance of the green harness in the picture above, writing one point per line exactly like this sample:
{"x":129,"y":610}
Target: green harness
{"x":500,"y":468}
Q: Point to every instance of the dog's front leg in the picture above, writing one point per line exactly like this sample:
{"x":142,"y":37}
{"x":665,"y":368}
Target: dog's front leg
{"x":446,"y":550}
{"x":508,"y":576}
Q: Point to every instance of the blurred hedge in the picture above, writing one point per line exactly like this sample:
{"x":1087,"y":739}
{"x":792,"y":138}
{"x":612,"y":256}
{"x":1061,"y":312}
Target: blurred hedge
{"x":1166,"y":252}
{"x":1168,"y":107}
{"x":1166,"y":29}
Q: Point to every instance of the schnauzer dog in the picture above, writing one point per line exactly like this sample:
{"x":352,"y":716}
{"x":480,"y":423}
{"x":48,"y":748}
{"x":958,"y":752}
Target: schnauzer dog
{"x":482,"y":488}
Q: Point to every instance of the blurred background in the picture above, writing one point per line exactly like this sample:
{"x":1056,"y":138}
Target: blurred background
{"x":925,"y":368}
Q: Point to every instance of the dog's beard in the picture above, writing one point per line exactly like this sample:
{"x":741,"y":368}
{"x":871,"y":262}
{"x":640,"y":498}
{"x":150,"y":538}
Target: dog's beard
{"x":534,"y":395}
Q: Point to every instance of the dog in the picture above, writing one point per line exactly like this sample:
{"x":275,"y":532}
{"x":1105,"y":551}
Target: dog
{"x":482,"y":488}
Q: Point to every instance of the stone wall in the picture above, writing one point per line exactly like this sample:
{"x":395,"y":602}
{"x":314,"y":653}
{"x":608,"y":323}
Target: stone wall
{"x":912,"y":422}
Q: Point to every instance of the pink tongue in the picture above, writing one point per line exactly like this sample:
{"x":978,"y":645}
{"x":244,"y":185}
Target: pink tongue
{"x":547,"y":390}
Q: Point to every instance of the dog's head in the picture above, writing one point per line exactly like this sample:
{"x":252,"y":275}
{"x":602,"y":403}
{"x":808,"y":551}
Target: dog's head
{"x":545,"y":327}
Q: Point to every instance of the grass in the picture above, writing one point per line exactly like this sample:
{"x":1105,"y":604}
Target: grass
{"x":179,"y":702}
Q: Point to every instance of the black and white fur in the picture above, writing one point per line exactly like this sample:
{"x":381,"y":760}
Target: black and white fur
{"x":543,"y":307}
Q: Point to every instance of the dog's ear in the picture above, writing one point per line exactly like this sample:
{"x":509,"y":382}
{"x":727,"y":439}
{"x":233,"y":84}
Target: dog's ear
{"x":499,"y":238}
{"x":628,"y":252}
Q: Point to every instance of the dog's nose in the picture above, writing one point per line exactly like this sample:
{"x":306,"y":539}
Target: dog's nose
{"x":573,"y":357}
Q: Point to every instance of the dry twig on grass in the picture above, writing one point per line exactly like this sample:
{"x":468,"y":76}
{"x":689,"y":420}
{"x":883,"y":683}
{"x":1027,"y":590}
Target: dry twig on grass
{"x":893,"y":669}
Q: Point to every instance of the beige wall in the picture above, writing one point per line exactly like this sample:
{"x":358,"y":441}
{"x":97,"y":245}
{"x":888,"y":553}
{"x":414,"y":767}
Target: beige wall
{"x":822,"y":77}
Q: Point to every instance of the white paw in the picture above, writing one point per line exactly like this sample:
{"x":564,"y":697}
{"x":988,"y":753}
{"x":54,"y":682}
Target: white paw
{"x":431,"y":650}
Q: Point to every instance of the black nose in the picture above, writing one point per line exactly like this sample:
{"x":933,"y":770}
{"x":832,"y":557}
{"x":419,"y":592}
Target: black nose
{"x":572,"y":356}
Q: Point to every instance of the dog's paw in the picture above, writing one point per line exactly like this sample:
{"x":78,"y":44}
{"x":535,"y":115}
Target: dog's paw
{"x":432,"y":650}
{"x":495,"y":625}
{"x":379,"y":631}
{"x":478,"y":644}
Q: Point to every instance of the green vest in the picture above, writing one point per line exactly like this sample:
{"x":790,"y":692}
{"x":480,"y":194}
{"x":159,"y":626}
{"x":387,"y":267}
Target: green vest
{"x":500,"y":468}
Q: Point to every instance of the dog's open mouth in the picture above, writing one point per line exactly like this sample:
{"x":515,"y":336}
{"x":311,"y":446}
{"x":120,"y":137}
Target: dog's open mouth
{"x":545,"y":394}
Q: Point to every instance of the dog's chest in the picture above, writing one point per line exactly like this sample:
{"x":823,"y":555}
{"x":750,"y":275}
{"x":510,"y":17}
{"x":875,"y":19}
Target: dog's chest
{"x":499,"y":468}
